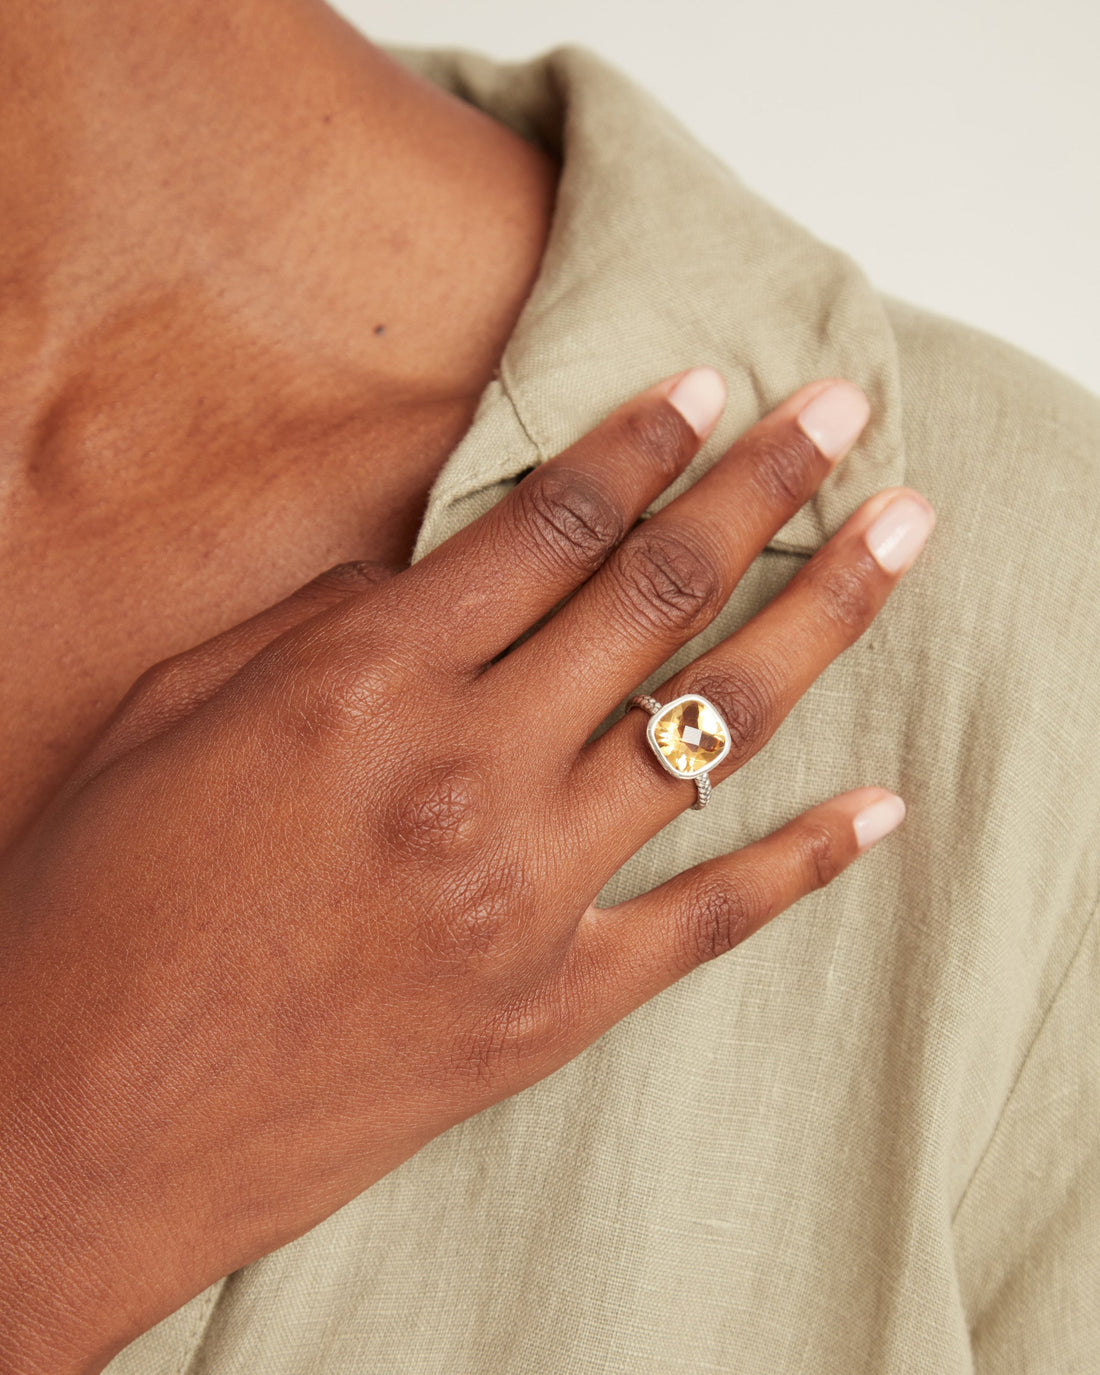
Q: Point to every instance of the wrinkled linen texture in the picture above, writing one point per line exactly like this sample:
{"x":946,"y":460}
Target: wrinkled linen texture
{"x":867,"y":1139}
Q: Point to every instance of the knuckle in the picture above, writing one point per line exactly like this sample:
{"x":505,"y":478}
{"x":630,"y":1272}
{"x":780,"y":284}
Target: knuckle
{"x":783,"y":468}
{"x":348,"y":693}
{"x":439,"y":811}
{"x":818,"y":854}
{"x":324,"y":698}
{"x":519,"y":1029}
{"x":572,"y":521}
{"x":473,"y":925}
{"x":723,"y":911}
{"x":346,"y":579}
{"x":156,"y":683}
{"x":163,"y":689}
{"x":671,"y":583}
{"x":471,"y":929}
{"x":746,"y":702}
{"x":845,"y":593}
{"x":655,"y":436}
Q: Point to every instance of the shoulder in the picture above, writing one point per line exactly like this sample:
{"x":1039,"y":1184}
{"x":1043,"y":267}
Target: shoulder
{"x":1007,"y":448}
{"x":1005,"y":602}
{"x":996,"y":641}
{"x":980,"y":410}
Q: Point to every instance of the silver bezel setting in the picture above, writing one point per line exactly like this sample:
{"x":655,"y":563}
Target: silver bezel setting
{"x":651,"y":736}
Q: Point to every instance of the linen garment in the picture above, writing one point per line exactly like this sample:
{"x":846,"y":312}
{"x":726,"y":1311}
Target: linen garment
{"x":868,"y":1139}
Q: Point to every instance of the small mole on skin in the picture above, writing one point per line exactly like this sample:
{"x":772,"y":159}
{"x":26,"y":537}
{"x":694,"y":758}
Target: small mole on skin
{"x":326,"y":119}
{"x":380,"y":329}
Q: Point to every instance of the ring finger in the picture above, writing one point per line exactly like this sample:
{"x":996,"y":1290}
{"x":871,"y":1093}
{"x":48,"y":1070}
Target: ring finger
{"x":756,"y":676}
{"x":672,"y":574}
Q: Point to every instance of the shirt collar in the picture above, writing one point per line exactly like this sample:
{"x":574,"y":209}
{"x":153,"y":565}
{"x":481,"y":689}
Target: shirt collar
{"x":660,"y":258}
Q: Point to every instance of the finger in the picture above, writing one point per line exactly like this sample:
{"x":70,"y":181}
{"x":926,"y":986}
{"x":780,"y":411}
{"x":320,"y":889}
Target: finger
{"x":174,"y":688}
{"x":756,"y":675}
{"x":502,"y":572}
{"x":672,"y":575}
{"x":622,"y":956}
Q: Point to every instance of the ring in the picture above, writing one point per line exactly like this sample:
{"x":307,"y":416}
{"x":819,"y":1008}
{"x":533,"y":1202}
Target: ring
{"x":688,"y":736}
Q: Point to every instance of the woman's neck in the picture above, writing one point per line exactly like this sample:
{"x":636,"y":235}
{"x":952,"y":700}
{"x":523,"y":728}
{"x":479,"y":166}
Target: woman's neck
{"x":253,"y":169}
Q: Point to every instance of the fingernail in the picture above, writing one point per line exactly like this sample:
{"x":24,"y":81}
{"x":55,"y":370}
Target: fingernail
{"x":700,"y":396}
{"x":878,"y":820}
{"x":835,"y":418}
{"x":899,"y":534}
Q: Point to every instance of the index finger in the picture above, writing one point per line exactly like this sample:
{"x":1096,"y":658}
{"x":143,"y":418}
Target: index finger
{"x":504,"y":571}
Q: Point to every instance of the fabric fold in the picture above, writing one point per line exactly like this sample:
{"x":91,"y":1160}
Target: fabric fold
{"x":628,"y":291}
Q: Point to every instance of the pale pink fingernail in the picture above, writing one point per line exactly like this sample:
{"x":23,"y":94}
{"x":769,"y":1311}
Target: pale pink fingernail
{"x":878,"y":820}
{"x":898,"y":535}
{"x":700,"y":396}
{"x":835,"y":418}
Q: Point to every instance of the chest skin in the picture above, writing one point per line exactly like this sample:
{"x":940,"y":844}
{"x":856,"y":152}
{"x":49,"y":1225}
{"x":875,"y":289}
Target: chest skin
{"x":142,"y":515}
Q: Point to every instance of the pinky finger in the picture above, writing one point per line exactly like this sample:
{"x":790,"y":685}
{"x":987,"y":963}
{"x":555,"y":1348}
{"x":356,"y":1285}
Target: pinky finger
{"x":623,"y":955}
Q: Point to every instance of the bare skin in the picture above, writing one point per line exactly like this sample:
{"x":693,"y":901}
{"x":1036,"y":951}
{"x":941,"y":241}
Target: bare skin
{"x":198,"y":412}
{"x":228,"y":937}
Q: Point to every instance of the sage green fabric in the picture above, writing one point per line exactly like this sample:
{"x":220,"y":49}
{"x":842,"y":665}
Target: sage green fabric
{"x":869,"y":1138}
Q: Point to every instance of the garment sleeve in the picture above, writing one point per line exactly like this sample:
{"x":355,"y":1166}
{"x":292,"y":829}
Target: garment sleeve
{"x":1027,"y":1232}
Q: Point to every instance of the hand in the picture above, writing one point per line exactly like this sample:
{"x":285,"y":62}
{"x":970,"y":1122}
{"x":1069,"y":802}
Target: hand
{"x":325,"y":886}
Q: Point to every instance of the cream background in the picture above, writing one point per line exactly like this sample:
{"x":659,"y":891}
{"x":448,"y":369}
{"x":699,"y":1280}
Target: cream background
{"x":951,"y":147}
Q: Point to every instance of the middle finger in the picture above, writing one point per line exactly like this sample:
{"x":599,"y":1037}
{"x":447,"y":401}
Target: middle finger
{"x":756,"y":675}
{"x":672,"y":575}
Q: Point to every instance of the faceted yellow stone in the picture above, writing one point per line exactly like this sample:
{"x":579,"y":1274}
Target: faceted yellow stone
{"x":690,"y":735}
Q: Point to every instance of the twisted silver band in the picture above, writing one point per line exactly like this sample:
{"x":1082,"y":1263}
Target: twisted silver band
{"x":701,"y":777}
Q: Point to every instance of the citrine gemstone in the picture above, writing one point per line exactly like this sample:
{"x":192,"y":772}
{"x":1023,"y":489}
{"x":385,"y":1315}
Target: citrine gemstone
{"x":689,"y":735}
